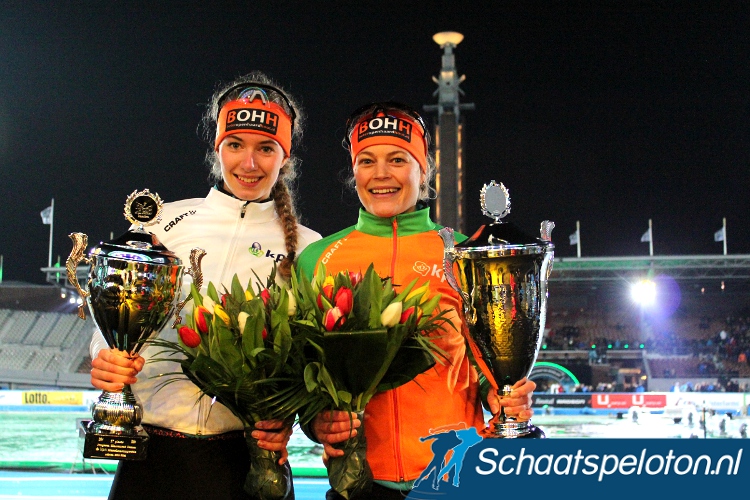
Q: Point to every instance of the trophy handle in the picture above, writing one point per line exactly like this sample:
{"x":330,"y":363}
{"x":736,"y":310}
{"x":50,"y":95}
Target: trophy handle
{"x":546,"y":230}
{"x":196,"y":255}
{"x":80,"y":242}
{"x":448,"y":241}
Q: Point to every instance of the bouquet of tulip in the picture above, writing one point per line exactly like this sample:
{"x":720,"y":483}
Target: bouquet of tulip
{"x":365,"y":337}
{"x":238,"y":347}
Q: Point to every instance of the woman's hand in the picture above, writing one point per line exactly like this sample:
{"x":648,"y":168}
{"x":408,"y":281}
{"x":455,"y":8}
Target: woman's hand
{"x":334,"y":427}
{"x":273,"y":435}
{"x":518,"y":404}
{"x":112,"y":369}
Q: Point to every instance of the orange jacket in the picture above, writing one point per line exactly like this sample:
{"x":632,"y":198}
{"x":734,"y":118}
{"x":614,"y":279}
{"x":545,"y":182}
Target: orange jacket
{"x":406,"y":247}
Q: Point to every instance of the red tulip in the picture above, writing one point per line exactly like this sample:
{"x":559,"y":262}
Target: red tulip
{"x":265,"y":295}
{"x":199,"y":314}
{"x":264,"y":333}
{"x":408,"y":312}
{"x":344,"y":300}
{"x":328,"y":292}
{"x":333,"y":318}
{"x":224,"y":300}
{"x":355,"y":278}
{"x":189,"y":336}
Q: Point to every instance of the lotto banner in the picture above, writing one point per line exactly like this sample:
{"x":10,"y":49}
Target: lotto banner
{"x":584,"y":468}
{"x":52,"y":398}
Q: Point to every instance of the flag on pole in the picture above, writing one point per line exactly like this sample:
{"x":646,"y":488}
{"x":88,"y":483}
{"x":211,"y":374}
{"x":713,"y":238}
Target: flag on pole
{"x":47,"y":215}
{"x":719,"y":235}
{"x":574,"y":238}
{"x":646,"y":236}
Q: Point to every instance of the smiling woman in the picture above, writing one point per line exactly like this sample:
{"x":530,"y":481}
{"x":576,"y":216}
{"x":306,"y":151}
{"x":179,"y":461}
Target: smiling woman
{"x":391,"y":172}
{"x":247,"y":225}
{"x":250,"y":165}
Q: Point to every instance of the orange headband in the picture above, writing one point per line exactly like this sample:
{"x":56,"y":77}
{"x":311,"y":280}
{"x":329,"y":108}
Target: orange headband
{"x":396,"y":129}
{"x":255,"y":117}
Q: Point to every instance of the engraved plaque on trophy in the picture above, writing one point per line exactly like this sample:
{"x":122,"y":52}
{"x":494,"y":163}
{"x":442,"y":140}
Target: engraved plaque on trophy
{"x":132,"y":291}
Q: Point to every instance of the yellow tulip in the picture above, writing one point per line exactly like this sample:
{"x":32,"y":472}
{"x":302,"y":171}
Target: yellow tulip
{"x":221,"y":313}
{"x":424,"y":289}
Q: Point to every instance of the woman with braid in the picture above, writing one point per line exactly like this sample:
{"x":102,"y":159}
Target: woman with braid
{"x":247,"y":224}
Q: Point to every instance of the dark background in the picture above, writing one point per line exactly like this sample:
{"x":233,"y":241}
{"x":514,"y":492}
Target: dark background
{"x":610,"y":113}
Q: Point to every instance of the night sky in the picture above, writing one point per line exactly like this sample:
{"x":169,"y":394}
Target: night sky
{"x":609,"y":113}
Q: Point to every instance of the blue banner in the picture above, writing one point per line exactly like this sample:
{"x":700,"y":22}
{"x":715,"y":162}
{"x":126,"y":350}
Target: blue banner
{"x":581,"y":468}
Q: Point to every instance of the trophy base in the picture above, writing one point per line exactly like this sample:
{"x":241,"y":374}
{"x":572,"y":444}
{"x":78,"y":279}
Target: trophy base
{"x":114,"y":445}
{"x":512,"y":430}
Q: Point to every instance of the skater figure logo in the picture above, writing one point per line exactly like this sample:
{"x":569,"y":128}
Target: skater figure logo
{"x":449,"y":446}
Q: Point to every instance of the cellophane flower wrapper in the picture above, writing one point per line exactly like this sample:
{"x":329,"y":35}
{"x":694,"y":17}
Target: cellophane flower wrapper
{"x":383,"y":339}
{"x":249,"y":361}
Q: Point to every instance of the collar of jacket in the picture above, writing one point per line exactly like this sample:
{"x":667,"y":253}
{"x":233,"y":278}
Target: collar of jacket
{"x":255,"y":212}
{"x":410,"y":223}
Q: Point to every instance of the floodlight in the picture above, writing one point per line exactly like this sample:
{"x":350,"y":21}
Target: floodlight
{"x":447,"y":37}
{"x":644,"y":292}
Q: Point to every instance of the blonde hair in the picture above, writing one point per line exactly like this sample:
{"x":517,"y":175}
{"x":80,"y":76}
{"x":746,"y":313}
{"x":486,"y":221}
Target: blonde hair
{"x":426,"y":191}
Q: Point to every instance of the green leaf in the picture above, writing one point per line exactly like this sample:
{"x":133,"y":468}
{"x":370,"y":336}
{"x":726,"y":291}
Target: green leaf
{"x":238,"y":292}
{"x":211,"y":292}
{"x":355,"y":358}
{"x":195,"y":293}
{"x":402,"y":296}
{"x":230,"y":350}
{"x":252,"y":336}
{"x":431,"y":304}
{"x":282,"y":340}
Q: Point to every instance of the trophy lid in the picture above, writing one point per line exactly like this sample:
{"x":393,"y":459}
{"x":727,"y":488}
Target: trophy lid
{"x":142,"y":208}
{"x":503,"y":238}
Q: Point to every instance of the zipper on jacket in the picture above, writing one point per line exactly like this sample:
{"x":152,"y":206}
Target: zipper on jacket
{"x":395,"y":248}
{"x":228,"y":266}
{"x":397,"y":437}
{"x":394,"y":398}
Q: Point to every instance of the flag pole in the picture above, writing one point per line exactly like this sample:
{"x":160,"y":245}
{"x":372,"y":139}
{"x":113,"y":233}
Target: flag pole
{"x":51,"y":225}
{"x":650,"y":239}
{"x":724,"y":227}
{"x":578,"y":243}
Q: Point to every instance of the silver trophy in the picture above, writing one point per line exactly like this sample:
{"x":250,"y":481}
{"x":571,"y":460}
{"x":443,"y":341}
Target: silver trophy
{"x":502,"y":279}
{"x":132,"y":291}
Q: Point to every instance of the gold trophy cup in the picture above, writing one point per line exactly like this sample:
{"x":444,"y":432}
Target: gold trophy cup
{"x":132,"y":291}
{"x":502,"y":279}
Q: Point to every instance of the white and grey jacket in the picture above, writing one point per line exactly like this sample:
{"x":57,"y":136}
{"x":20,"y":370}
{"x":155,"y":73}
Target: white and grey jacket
{"x":238,"y":237}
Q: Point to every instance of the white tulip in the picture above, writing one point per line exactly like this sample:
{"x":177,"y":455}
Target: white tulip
{"x":209,"y":304}
{"x":292,"y":309}
{"x":391,"y":314}
{"x":242,"y":320}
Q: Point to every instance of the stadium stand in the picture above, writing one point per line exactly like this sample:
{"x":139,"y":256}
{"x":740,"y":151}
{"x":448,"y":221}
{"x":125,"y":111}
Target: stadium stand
{"x":42,"y":340}
{"x":701,"y":333}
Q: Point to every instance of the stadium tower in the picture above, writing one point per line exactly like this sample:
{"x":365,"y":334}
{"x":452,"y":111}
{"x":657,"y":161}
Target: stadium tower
{"x":449,"y":179}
